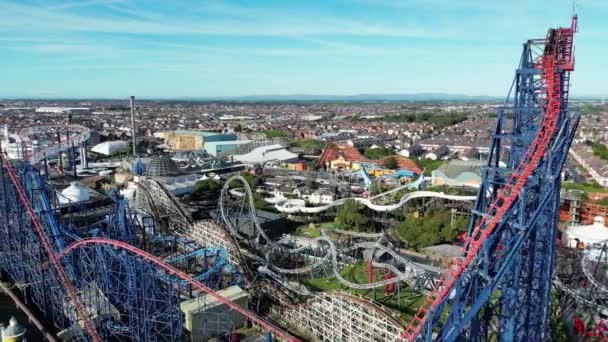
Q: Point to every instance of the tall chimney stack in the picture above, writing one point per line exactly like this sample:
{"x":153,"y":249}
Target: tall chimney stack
{"x":132,"y":102}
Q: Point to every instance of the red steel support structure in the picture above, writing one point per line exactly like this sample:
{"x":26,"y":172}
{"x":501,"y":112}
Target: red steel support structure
{"x":515,"y":206}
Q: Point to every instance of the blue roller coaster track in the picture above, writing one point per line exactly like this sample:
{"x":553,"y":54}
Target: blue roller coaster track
{"x":117,"y":295}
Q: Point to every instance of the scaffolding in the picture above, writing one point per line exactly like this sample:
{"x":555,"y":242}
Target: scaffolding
{"x":341,"y":317}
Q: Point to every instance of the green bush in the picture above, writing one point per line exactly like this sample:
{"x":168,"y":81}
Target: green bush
{"x":348,"y":216}
{"x":428,"y":165}
{"x":378,"y":152}
{"x":277,"y":133}
{"x":431,"y":229}
{"x":585,"y":187}
{"x":603,"y":201}
{"x":252,"y":179}
{"x":307,"y":143}
{"x":437,"y":119}
{"x":599,"y":149}
{"x":391,"y":163}
{"x":205,"y":188}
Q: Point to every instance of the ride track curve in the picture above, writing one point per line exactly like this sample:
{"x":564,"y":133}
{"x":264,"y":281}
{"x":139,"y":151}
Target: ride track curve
{"x":285,"y":207}
{"x":250,"y":201}
{"x":556,"y":57}
{"x":412,"y":274}
{"x":81,"y":135}
{"x":67,"y":285}
{"x":268,"y":326}
{"x":602,"y":248}
{"x":582,"y":289}
{"x":158,"y":201}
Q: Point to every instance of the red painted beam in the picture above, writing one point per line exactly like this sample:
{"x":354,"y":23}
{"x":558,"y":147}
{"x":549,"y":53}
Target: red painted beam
{"x":54,"y":260}
{"x":182,"y":275}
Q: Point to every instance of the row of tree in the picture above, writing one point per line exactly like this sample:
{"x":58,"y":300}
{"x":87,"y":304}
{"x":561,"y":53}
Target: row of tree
{"x":432,"y":228}
{"x":599,"y":149}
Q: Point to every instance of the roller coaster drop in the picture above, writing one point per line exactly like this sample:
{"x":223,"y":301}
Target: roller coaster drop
{"x":502,"y":283}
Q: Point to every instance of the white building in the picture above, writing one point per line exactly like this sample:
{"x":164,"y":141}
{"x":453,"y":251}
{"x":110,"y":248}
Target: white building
{"x":109,"y":148}
{"x":586,"y":234}
{"x":597,"y":167}
{"x":59,"y":110}
{"x":268,"y":153}
{"x":321,"y":197}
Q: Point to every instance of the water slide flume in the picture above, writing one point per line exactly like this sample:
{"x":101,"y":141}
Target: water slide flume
{"x":298,"y":206}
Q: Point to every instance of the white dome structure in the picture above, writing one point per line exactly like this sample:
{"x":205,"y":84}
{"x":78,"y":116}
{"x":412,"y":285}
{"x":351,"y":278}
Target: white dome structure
{"x":586,"y":234}
{"x":75,"y":193}
{"x":109,"y":148}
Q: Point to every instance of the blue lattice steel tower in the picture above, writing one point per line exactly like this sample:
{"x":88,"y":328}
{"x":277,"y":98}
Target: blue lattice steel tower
{"x":128,"y":297}
{"x":500,"y":288}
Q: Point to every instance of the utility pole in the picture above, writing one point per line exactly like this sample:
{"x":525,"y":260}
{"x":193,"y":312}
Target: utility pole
{"x":132,"y":102}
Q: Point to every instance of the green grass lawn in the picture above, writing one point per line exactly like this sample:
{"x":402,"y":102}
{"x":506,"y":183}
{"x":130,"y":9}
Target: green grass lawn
{"x":428,"y":165}
{"x":586,"y":187}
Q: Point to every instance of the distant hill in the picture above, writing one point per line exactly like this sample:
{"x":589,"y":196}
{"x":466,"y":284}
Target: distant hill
{"x":355,"y":98}
{"x":375,"y":98}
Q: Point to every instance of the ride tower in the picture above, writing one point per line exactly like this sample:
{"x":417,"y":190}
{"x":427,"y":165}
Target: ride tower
{"x":500,"y":287}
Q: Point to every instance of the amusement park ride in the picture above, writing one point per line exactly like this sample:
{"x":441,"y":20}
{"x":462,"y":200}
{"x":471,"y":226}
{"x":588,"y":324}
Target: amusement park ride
{"x":501,"y":285}
{"x":102,"y":281}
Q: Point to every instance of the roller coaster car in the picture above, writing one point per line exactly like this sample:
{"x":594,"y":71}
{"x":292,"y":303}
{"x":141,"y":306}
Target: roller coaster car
{"x":559,"y":44}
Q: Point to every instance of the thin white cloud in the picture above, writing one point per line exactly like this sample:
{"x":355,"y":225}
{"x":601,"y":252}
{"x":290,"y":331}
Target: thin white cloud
{"x":82,"y":3}
{"x":273,"y":23}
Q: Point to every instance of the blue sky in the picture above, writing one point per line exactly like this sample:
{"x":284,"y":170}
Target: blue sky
{"x":116,"y":48}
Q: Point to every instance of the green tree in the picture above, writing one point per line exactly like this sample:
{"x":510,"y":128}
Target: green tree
{"x":433,"y":228}
{"x":377,"y":152}
{"x":559,"y":331}
{"x":308,"y":143}
{"x":599,"y":149}
{"x":205,"y":189}
{"x":603,"y":201}
{"x":410,"y":230}
{"x":428,"y":165}
{"x":437,"y":119}
{"x":252,"y":179}
{"x":348,"y":216}
{"x":277,"y":133}
{"x":391,"y":163}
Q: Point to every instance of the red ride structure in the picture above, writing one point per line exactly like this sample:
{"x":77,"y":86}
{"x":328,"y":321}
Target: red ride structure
{"x":179,"y":274}
{"x":516,"y":207}
{"x":82,"y":313}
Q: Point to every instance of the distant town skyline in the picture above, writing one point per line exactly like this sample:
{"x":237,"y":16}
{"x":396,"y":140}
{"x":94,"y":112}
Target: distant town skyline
{"x":158,"y":49}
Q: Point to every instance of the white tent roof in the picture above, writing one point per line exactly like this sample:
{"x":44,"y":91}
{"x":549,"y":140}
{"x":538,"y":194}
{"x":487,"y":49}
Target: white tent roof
{"x":589,"y":234}
{"x":266,"y":153}
{"x":109,"y":148}
{"x":74,"y":193}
